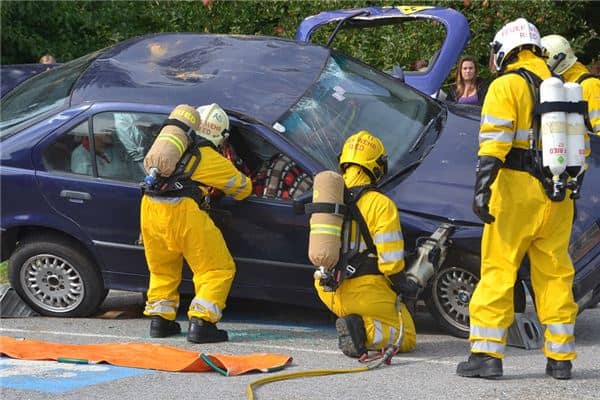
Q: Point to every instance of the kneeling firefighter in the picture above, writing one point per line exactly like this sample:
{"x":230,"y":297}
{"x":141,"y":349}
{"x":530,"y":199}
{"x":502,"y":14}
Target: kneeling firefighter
{"x":175,"y":224}
{"x":363,"y":294}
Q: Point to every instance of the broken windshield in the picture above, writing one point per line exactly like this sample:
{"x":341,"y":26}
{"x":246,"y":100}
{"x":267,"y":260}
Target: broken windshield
{"x":349,"y":97}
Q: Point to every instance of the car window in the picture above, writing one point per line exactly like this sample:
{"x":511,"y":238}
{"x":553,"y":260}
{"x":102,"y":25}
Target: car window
{"x":349,"y":97}
{"x":274,"y":174}
{"x":109,"y":145}
{"x":41,"y":95}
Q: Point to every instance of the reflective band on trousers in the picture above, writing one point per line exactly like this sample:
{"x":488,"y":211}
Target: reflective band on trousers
{"x":488,"y":333}
{"x":161,"y":307}
{"x":487,"y":347}
{"x":326,"y":229}
{"x":561,"y":329}
{"x":202,"y":305}
{"x":378,"y":337}
{"x":565,"y":348}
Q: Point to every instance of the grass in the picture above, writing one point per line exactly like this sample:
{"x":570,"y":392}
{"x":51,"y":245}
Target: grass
{"x":4,"y":272}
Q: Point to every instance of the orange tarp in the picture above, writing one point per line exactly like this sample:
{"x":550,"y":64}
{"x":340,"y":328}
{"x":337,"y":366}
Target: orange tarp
{"x":143,"y":355}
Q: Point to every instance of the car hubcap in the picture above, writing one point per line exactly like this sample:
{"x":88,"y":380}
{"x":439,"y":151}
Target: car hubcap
{"x":453,"y":290}
{"x":52,"y":283}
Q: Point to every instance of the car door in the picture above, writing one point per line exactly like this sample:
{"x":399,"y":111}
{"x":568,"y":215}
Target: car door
{"x":440,"y":58}
{"x":89,"y":173}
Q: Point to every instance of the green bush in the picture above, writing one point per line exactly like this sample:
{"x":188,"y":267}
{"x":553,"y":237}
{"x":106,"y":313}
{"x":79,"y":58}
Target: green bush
{"x":69,"y":29}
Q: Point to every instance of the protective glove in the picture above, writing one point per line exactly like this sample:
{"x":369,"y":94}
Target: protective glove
{"x":407,"y":290}
{"x":486,"y":173}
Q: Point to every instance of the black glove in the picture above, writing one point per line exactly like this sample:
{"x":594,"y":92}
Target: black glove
{"x":486,"y":173}
{"x":407,"y":291}
{"x":407,"y":288}
{"x":576,"y":190}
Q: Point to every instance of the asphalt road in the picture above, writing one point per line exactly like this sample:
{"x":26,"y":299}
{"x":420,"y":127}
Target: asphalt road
{"x":307,"y":336}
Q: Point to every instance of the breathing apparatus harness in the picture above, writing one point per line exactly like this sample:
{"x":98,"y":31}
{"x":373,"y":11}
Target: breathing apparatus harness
{"x":179,"y":183}
{"x":530,"y":160}
{"x":352,"y":263}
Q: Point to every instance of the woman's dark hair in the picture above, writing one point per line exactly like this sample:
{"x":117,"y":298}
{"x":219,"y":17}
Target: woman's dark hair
{"x":460,"y":84}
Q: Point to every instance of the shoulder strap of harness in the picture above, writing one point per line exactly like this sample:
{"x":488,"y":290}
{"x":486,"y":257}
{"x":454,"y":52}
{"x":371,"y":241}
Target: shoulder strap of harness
{"x":351,"y":197}
{"x":587,"y":76}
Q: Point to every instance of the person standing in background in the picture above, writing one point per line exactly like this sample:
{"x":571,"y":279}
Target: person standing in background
{"x":468,"y":87}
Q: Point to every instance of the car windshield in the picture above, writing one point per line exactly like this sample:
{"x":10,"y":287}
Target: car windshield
{"x":41,"y":95}
{"x":349,"y":97}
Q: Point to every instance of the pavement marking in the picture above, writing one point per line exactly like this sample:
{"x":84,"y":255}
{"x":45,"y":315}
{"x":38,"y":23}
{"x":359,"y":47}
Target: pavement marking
{"x":244,"y":344}
{"x":55,"y":377}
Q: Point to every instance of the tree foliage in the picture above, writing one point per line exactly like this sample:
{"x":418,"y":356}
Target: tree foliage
{"x":69,"y":29}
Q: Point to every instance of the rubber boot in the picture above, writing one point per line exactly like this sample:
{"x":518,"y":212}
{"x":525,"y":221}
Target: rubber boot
{"x":201,"y":331}
{"x":351,"y":335}
{"x":480,"y":365}
{"x":559,"y":369}
{"x":161,"y":327}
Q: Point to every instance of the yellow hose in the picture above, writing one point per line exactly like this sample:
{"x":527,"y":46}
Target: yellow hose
{"x":299,"y":374}
{"x":321,"y":372}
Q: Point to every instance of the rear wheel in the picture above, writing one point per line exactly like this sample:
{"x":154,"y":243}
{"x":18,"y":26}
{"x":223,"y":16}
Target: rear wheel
{"x":56,"y":277}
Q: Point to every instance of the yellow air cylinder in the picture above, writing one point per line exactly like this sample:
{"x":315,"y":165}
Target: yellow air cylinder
{"x":172,"y":141}
{"x":325,"y":237}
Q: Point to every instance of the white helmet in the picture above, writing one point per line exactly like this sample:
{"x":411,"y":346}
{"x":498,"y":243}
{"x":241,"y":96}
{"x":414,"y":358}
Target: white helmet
{"x":214,"y":123}
{"x":559,"y":53}
{"x":512,"y":37}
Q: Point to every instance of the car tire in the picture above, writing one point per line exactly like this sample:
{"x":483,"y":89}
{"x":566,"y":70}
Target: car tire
{"x":56,"y":277}
{"x":450,"y":291}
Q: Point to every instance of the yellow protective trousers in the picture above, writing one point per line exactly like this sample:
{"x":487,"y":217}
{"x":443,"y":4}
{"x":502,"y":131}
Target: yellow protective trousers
{"x":172,"y":231}
{"x":527,"y":222}
{"x":371,"y":297}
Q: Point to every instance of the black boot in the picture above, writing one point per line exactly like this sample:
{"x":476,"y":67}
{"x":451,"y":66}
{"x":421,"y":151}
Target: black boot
{"x":351,"y":335}
{"x":201,"y":331}
{"x":161,"y":327}
{"x":559,"y":369}
{"x":480,"y":365}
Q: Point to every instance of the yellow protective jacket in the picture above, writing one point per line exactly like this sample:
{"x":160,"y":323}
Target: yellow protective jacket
{"x":591,"y":92}
{"x":506,"y":116}
{"x":381,"y":216}
{"x":216,"y":171}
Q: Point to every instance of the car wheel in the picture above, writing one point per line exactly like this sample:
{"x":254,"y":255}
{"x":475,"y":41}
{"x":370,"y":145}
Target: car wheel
{"x":56,"y":277}
{"x":451,"y":290}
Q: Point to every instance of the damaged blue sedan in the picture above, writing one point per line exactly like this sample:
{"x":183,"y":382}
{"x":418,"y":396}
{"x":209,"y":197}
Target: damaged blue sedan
{"x":71,"y":233}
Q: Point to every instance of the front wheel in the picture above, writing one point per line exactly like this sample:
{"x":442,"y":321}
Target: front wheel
{"x":451,"y":290}
{"x":56,"y":277}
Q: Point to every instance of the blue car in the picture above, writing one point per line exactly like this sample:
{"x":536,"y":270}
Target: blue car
{"x":73,"y":138}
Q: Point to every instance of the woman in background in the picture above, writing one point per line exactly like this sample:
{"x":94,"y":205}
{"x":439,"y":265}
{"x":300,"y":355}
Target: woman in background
{"x":468,"y":87}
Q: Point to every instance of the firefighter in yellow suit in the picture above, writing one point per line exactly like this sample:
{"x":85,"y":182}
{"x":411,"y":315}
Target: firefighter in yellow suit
{"x":176,"y":228}
{"x":366,"y":305}
{"x":562,"y":61}
{"x":519,"y":219}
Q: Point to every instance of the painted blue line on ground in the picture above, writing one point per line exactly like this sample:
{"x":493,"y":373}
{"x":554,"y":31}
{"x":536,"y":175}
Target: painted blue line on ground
{"x":55,"y":377}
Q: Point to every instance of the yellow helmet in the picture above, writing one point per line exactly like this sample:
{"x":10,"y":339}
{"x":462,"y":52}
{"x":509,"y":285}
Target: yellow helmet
{"x":559,"y":53}
{"x":214,"y":123}
{"x":367,"y":151}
